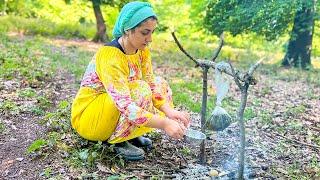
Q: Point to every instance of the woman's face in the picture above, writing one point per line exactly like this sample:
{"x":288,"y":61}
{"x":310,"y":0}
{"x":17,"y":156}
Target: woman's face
{"x":141,"y":36}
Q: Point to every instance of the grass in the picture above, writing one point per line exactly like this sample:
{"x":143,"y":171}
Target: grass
{"x":265,"y":117}
{"x":36,"y":145}
{"x":2,"y":127}
{"x":10,"y":107}
{"x":185,"y":151}
{"x":294,"y":111}
{"x":310,"y":76}
{"x":27,"y":93}
{"x":249,"y":113}
{"x":43,"y":27}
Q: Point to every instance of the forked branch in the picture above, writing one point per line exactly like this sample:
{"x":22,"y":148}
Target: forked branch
{"x":243,"y":81}
{"x":201,"y":63}
{"x":182,"y":49}
{"x":217,"y":51}
{"x":243,"y":77}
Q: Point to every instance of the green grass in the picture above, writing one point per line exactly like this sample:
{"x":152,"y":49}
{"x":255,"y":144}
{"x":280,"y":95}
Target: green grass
{"x":20,"y":60}
{"x":182,"y":96}
{"x":36,"y":145}
{"x":43,"y":27}
{"x":309,"y":76}
{"x":265,"y":116}
{"x":10,"y":107}
{"x":2,"y":127}
{"x":27,"y":93}
{"x":185,"y":151}
{"x":249,"y":113}
{"x":294,"y":111}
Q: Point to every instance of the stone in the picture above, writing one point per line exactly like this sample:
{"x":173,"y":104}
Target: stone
{"x":213,"y":173}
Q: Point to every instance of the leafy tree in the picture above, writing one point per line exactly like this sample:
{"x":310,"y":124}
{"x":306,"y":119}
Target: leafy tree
{"x":19,"y":7}
{"x":300,"y":43}
{"x":101,"y":35}
{"x":270,"y":18}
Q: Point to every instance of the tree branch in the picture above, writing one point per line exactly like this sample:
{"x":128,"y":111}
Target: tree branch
{"x":217,"y":51}
{"x":254,"y":67}
{"x":235,"y":75}
{"x":182,"y":49}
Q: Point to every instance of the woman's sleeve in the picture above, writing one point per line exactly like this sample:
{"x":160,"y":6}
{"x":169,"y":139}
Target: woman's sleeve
{"x":112,"y":71}
{"x":158,"y":98}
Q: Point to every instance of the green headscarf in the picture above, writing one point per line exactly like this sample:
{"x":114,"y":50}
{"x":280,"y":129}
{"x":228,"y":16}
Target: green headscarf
{"x":130,"y":16}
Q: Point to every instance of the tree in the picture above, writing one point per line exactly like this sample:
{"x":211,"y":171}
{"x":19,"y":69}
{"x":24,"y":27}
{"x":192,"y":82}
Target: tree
{"x":101,"y":35}
{"x":270,"y":19}
{"x":300,"y":43}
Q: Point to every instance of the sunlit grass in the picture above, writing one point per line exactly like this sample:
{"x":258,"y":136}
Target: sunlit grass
{"x":45,"y":27}
{"x":316,"y":63}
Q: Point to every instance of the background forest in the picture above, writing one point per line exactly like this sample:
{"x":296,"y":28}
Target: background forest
{"x":47,"y":44}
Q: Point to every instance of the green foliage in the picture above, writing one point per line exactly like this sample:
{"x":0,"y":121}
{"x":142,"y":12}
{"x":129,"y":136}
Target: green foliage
{"x":294,"y":111}
{"x":36,"y":145}
{"x":295,"y":126}
{"x":19,"y":58}
{"x":189,"y":94}
{"x":2,"y":127}
{"x":44,"y":102}
{"x":19,"y":7}
{"x":249,"y":113}
{"x":47,"y":173}
{"x":182,"y":16}
{"x":44,"y":27}
{"x":114,"y":3}
{"x":28,"y":92}
{"x":268,"y":18}
{"x":266,"y":117}
{"x":59,"y":120}
{"x":185,"y":151}
{"x":9,"y":107}
{"x":310,"y":76}
{"x":69,"y":20}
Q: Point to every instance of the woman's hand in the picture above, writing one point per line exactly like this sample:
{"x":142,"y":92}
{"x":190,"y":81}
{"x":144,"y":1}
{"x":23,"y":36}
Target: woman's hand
{"x":179,"y":116}
{"x":174,"y":129}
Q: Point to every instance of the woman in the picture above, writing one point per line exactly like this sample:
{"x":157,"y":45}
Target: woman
{"x":120,"y":99}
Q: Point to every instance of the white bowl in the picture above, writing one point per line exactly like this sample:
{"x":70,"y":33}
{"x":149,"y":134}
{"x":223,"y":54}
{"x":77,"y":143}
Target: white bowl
{"x":194,"y":137}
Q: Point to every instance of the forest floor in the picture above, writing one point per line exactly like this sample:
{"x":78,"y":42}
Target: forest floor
{"x":37,"y":142}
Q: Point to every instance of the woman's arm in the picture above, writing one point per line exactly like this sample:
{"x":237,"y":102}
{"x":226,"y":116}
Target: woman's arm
{"x":171,"y":127}
{"x":157,"y":96}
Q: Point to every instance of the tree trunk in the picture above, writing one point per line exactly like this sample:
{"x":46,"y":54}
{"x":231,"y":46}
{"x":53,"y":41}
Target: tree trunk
{"x":4,"y":9}
{"x":299,"y":49}
{"x":101,"y":35}
{"x":203,"y":113}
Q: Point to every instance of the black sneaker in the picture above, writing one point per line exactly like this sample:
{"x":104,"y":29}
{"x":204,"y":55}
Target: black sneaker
{"x":129,"y":152}
{"x":142,"y":142}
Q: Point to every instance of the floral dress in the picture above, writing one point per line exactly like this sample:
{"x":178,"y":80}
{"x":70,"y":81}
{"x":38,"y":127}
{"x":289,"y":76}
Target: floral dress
{"x":118,"y":96}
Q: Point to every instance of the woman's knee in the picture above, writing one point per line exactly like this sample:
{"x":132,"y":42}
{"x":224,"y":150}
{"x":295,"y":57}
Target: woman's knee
{"x":160,"y":81}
